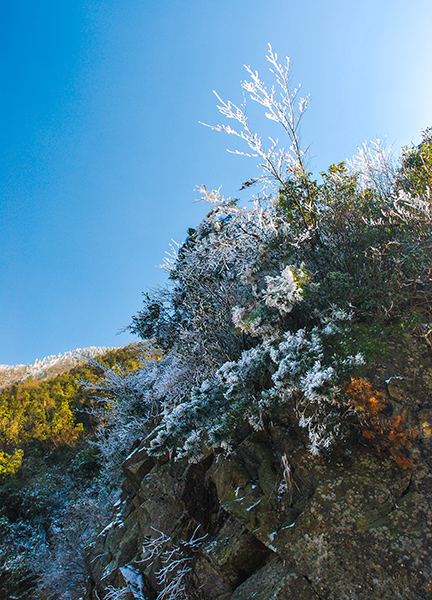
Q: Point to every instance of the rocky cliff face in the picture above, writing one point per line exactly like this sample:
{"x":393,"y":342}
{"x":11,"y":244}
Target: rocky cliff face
{"x":269,"y":520}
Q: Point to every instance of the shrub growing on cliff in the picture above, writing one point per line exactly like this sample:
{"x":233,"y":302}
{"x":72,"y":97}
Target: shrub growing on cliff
{"x":124,"y":407}
{"x":265,"y":302}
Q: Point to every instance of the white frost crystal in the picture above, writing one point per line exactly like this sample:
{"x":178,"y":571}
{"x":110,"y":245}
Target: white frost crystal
{"x":284,"y":290}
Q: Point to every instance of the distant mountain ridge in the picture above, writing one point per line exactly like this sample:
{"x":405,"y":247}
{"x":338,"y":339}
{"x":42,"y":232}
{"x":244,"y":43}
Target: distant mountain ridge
{"x":50,"y":366}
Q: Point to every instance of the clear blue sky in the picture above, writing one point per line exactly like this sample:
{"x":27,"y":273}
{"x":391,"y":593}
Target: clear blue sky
{"x":101,"y":144}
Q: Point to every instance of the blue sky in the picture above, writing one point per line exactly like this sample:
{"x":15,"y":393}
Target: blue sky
{"x":102,"y":148}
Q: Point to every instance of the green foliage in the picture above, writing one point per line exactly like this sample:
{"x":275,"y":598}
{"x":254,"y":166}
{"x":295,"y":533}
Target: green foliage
{"x":52,"y":413}
{"x":364,"y":250}
{"x":298,"y":200}
{"x":41,"y":412}
{"x":10,"y":463}
{"x":416,"y":173}
{"x":51,"y":493}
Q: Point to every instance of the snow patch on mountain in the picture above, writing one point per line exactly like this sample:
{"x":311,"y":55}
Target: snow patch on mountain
{"x":49,"y":366}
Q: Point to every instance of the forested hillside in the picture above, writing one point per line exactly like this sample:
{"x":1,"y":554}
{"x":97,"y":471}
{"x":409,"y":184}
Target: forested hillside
{"x":48,"y":367}
{"x":51,"y":497}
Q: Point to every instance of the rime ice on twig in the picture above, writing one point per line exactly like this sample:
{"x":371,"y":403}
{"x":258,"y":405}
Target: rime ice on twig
{"x":285,"y":108}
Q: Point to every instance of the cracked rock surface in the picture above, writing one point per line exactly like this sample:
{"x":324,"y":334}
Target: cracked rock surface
{"x":352,"y":526}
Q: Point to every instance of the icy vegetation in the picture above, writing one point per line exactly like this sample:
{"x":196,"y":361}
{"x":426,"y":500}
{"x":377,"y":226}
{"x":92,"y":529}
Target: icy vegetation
{"x":278,"y":305}
{"x":54,"y":496}
{"x":275,"y":308}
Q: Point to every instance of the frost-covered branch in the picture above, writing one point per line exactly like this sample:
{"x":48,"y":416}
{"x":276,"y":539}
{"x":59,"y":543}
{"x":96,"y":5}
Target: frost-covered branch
{"x":284,"y":108}
{"x":376,"y":168}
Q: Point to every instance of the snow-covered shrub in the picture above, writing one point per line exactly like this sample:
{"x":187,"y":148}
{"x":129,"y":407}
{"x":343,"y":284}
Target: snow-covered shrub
{"x":126,"y":407}
{"x":284,"y":290}
{"x":305,"y":366}
{"x":59,"y":565}
{"x":266,"y":304}
{"x":207,"y":273}
{"x":44,"y":532}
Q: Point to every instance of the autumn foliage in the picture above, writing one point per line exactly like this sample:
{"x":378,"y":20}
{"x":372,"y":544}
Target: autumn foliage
{"x":378,"y":429}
